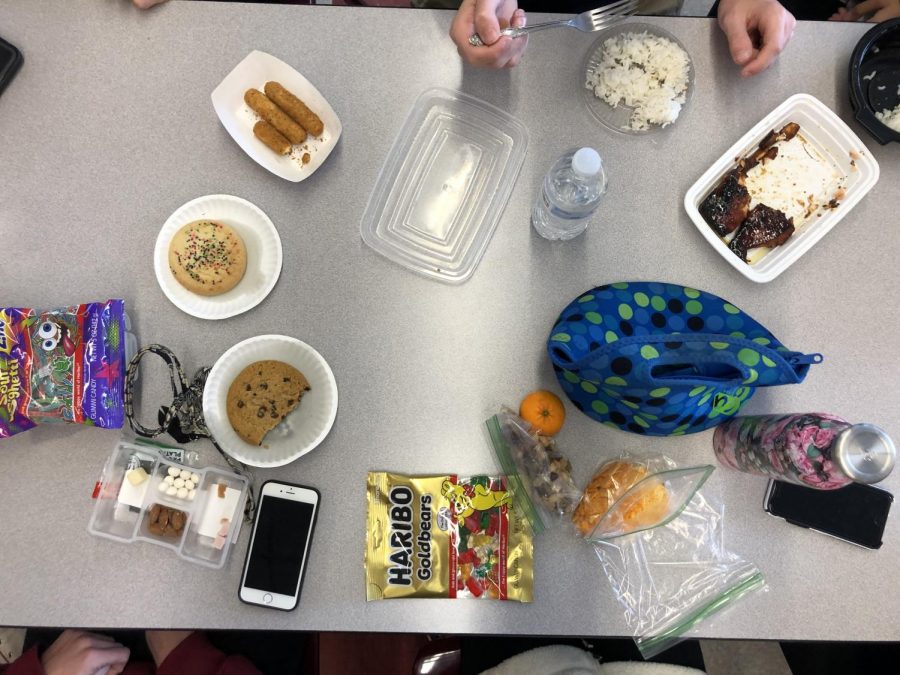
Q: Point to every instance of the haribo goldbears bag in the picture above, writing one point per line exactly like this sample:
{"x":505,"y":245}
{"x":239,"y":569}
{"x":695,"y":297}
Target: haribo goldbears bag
{"x":62,"y":365}
{"x":445,"y":537}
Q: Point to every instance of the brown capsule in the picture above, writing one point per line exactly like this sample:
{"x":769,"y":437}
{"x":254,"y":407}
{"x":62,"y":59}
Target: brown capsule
{"x":274,"y":139}
{"x":295,"y":108}
{"x":272,"y":114}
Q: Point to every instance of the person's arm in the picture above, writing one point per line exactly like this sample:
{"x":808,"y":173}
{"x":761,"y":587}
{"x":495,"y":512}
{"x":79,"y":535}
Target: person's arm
{"x":147,"y":4}
{"x":757,"y":31}
{"x":74,"y":652}
{"x":178,"y":652}
{"x":876,"y":11}
{"x":487,"y":17}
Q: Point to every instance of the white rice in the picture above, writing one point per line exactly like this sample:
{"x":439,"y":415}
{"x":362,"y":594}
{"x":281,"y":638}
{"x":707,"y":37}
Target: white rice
{"x":645,"y":72}
{"x":890,"y":118}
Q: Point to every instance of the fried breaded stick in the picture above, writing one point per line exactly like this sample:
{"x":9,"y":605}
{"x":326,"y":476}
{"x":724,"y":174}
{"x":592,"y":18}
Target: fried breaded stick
{"x":271,"y":137}
{"x":295,"y":108}
{"x":272,"y":114}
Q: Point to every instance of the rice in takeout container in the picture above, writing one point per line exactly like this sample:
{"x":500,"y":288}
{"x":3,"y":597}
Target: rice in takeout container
{"x":825,"y":161}
{"x":646,"y":72}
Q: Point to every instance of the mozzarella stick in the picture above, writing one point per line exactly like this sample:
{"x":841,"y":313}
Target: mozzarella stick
{"x":295,"y":108}
{"x":272,"y":114}
{"x":271,"y":137}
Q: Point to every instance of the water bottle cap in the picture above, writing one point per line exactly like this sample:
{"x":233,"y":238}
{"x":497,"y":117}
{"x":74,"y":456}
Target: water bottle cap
{"x":586,"y":162}
{"x":865,"y":453}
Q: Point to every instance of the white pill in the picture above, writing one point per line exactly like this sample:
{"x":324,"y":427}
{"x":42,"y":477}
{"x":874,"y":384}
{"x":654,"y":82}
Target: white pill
{"x":163,"y":486}
{"x":179,"y":482}
{"x":172,"y":491}
{"x":191,"y":495}
{"x":173,"y":471}
{"x":182,"y":493}
{"x":170,"y":480}
{"x":185,"y":474}
{"x":195,"y":478}
{"x":189,"y":484}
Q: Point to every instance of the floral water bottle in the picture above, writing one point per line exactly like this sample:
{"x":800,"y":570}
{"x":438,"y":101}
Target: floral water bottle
{"x":570,"y":193}
{"x":812,"y":449}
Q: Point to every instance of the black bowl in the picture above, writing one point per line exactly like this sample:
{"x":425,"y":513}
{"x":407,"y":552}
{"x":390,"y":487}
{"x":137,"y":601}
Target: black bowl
{"x":878,"y":52}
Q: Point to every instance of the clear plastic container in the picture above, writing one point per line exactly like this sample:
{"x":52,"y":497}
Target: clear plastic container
{"x":208,"y":524}
{"x":444,"y":185}
{"x":618,"y":119}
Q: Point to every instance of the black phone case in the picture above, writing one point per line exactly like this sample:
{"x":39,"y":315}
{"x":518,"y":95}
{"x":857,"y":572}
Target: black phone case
{"x":8,"y":69}
{"x":312,"y":530}
{"x":817,"y":527}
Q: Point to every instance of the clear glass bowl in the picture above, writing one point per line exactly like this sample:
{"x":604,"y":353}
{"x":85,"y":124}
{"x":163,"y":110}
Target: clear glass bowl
{"x":617,"y":119}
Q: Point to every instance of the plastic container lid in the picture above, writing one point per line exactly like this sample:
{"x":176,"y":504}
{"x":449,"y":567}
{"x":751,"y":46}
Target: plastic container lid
{"x":586,"y":162}
{"x":444,"y":185}
{"x":865,"y":453}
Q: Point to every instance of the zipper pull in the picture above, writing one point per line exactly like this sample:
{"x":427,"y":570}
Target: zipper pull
{"x":798,"y":359}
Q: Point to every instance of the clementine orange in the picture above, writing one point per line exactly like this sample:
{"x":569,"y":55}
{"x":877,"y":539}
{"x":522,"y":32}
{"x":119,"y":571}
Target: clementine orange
{"x":544,"y":411}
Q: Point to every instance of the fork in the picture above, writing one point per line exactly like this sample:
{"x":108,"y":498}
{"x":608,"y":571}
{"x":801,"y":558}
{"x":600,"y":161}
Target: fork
{"x":587,"y":22}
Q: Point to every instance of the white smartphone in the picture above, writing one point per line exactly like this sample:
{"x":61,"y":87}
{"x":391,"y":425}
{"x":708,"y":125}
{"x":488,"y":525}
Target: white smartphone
{"x":279,"y":545}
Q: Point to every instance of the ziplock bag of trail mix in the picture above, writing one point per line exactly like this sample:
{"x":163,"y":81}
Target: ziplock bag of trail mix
{"x":445,"y":537}
{"x":62,"y":365}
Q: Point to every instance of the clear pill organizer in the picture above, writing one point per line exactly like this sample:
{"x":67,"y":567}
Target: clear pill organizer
{"x":142,"y":496}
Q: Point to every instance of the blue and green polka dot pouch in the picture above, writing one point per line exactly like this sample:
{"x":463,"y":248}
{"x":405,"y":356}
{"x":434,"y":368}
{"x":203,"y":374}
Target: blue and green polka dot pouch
{"x":665,"y":360}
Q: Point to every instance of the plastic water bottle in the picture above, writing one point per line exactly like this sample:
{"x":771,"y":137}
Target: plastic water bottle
{"x":570,"y":194}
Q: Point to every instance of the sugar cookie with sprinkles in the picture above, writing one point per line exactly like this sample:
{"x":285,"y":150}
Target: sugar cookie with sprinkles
{"x":207,"y":258}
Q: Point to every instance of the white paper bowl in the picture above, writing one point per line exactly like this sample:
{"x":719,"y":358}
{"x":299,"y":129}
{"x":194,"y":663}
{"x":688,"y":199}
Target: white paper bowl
{"x":238,"y":119}
{"x":830,"y":136}
{"x":263,"y":256}
{"x":302,"y":430}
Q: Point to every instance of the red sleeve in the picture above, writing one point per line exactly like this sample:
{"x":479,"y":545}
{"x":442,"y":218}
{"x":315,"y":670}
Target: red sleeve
{"x":196,"y":656}
{"x":27,"y":664}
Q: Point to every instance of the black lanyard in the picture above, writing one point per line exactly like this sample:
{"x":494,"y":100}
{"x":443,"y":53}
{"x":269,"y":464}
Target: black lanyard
{"x":183,"y":419}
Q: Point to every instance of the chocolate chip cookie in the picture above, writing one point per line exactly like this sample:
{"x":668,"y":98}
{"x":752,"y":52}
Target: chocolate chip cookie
{"x":261,"y":396}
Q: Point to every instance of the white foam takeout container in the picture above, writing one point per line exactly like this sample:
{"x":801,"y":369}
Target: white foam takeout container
{"x":830,"y":136}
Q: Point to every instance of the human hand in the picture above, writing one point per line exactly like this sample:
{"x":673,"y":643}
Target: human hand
{"x":757,"y":31}
{"x":880,"y":10}
{"x":76,"y":652}
{"x":147,"y":4}
{"x":487,"y":17}
{"x":162,"y":642}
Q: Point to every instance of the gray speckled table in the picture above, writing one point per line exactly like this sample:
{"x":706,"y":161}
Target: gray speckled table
{"x":108,"y":128}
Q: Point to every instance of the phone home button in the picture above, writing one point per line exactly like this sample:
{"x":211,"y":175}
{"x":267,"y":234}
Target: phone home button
{"x":267,"y":598}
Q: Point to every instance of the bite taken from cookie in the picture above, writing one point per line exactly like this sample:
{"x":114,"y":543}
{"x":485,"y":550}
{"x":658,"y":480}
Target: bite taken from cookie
{"x":261,"y":396}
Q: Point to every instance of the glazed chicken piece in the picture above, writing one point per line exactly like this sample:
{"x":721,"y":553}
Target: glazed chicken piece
{"x":764,"y":226}
{"x":726,"y":206}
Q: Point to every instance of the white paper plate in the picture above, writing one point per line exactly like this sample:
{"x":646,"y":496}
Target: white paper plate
{"x":831,"y":137}
{"x":238,"y":119}
{"x":263,"y":256}
{"x":302,"y":430}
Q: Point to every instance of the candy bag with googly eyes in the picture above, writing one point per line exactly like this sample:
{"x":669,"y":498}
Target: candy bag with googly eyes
{"x":63,"y":365}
